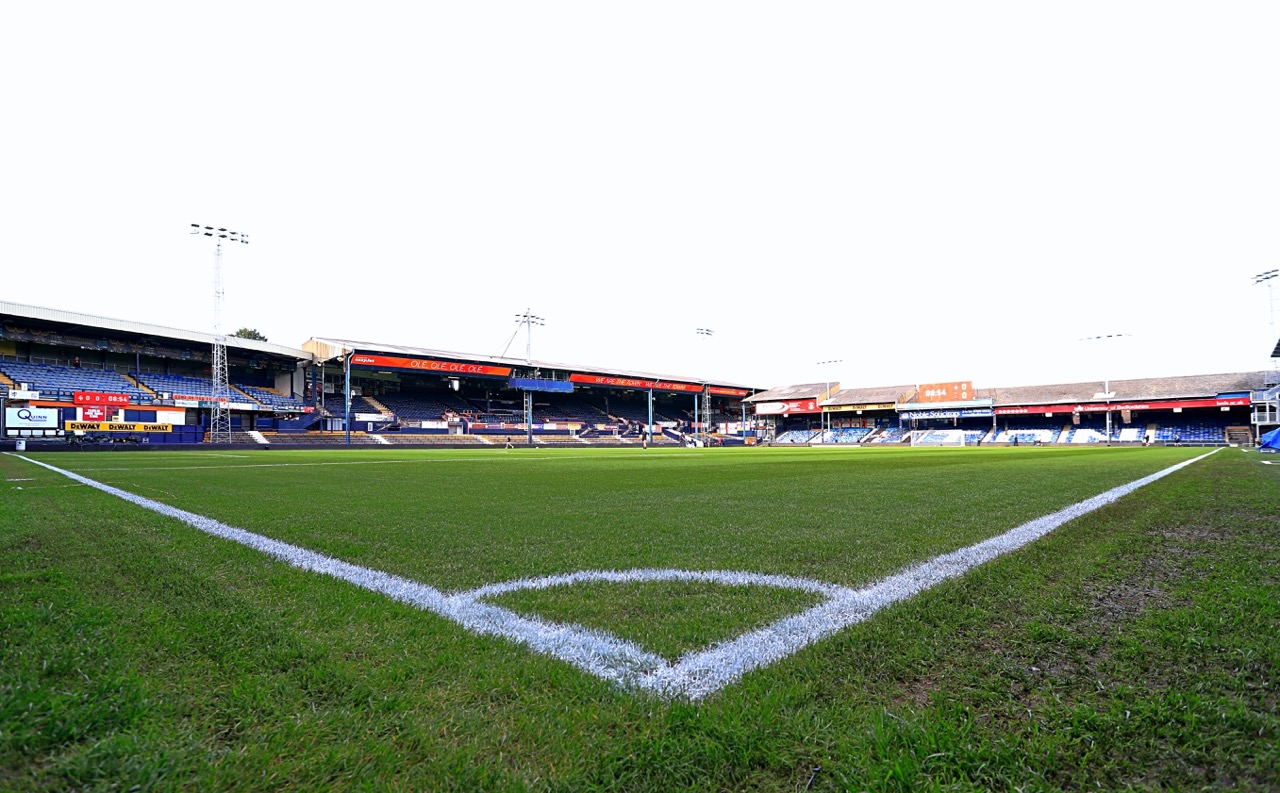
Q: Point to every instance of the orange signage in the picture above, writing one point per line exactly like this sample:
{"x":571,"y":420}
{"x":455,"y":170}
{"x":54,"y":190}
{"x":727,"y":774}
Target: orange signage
{"x":425,"y":365}
{"x":945,"y":392}
{"x":630,"y":382}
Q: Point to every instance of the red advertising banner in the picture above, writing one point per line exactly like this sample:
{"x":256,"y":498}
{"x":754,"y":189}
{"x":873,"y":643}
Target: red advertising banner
{"x":945,"y":392}
{"x":424,"y":365}
{"x":719,"y":391}
{"x":194,"y":398}
{"x":95,"y":414}
{"x":626,"y":382}
{"x":97,"y":398}
{"x":1099,"y":407}
{"x":801,"y":406}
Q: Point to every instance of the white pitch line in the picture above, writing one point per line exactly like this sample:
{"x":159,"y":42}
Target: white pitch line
{"x":202,"y":455}
{"x":591,"y":651}
{"x":255,"y":465}
{"x":312,"y":465}
{"x":700,"y":674}
{"x":486,"y":458}
{"x":694,"y":676}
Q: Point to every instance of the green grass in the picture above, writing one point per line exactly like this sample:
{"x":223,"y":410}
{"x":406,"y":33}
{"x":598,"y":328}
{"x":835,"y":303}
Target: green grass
{"x":669,"y":618}
{"x":1132,"y":648}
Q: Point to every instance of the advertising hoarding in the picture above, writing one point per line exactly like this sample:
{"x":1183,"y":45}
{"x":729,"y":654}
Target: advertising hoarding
{"x":30,"y":418}
{"x":425,"y":365}
{"x":115,"y":426}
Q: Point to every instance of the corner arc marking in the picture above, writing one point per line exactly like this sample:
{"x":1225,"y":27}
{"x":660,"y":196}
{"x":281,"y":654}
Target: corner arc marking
{"x":695,"y":675}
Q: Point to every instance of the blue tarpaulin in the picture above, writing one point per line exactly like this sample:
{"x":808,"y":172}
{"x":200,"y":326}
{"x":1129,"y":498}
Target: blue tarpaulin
{"x":1271,"y":441}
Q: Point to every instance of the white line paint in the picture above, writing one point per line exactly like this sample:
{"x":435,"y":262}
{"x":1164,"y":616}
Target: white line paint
{"x":202,"y":455}
{"x":488,"y":458}
{"x":693,"y":676}
{"x":305,"y":465}
{"x":634,"y":576}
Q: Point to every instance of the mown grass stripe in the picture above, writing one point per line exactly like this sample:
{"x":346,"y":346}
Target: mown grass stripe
{"x":695,"y":675}
{"x":600,"y":654}
{"x":700,"y":674}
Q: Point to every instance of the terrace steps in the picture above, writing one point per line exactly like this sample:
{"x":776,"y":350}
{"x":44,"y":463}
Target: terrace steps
{"x":1241,"y":435}
{"x":141,"y":386}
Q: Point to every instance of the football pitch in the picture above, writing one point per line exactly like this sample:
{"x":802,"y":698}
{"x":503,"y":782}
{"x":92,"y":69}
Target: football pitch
{"x":662,"y":619}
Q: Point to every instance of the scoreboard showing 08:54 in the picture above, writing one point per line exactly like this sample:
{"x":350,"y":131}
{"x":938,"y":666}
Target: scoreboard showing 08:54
{"x":961,"y":391}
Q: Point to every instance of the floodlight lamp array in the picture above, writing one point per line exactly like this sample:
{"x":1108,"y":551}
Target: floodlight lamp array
{"x":220,"y":233}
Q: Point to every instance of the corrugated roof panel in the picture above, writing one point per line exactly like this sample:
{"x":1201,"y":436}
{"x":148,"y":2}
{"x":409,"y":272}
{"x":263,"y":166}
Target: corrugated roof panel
{"x":141,"y":328}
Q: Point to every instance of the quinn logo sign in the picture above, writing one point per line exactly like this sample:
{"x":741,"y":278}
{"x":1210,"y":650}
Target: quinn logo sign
{"x":31,"y":418}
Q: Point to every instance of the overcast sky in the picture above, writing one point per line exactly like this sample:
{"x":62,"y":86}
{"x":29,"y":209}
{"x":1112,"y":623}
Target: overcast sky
{"x":924,"y":191}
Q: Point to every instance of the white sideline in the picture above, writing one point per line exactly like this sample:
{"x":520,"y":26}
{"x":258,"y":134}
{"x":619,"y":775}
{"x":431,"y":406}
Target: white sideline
{"x":314,"y":465}
{"x":695,"y":675}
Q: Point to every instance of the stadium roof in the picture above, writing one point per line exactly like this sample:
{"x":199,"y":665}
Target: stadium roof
{"x":329,"y":348}
{"x":1152,"y":388}
{"x":788,"y":392}
{"x":842,"y":396}
{"x":94,"y":322}
{"x":1205,"y":385}
{"x":877,"y":395}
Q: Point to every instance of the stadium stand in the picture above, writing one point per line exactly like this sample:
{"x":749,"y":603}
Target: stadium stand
{"x":322,"y":438}
{"x":54,"y":381}
{"x":415,"y":407}
{"x":638,"y":411}
{"x":360,"y":404}
{"x":58,"y":356}
{"x":888,"y":435}
{"x":421,"y":438}
{"x":1131,"y":434}
{"x":1084,"y":435}
{"x":845,"y":434}
{"x":175,"y":384}
{"x":796,"y":437}
{"x":1191,"y":433}
{"x":269,"y":397}
{"x":1028,"y":435}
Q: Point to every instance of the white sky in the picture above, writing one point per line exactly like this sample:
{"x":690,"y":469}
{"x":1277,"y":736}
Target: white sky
{"x":925,"y":191}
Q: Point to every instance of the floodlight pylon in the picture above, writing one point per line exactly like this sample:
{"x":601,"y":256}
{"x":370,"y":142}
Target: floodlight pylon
{"x":220,"y":413}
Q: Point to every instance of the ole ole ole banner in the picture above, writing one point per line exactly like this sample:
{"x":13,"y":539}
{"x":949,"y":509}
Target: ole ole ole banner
{"x":426,"y":365}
